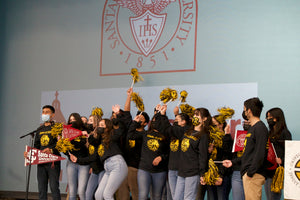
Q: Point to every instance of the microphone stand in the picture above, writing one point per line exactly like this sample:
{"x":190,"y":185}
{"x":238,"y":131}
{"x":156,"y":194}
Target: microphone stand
{"x":30,"y":155}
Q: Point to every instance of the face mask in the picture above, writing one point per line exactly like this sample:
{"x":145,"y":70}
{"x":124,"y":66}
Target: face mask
{"x":195,"y":121}
{"x":100,"y":130}
{"x":75,"y":125}
{"x":139,"y":125}
{"x":271,"y":122}
{"x":89,"y":127}
{"x":244,"y":116}
{"x":115,"y":121}
{"x":154,"y":125}
{"x":246,"y":127}
{"x":45,"y":118}
{"x":175,"y":124}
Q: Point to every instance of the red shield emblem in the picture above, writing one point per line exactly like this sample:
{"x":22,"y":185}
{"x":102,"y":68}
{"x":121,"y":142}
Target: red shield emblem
{"x":147,"y":29}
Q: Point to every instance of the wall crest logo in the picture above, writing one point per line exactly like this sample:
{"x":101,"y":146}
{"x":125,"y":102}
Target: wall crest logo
{"x":153,"y":35}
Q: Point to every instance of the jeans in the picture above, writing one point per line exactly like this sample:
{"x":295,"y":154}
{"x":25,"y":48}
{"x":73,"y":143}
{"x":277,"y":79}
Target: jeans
{"x":237,"y":186}
{"x":78,"y":176}
{"x":49,"y":172}
{"x":92,"y":185}
{"x":186,"y":187}
{"x":155,"y":180}
{"x":115,"y":173}
{"x":215,"y":192}
{"x":271,"y":195}
{"x":172,"y":177}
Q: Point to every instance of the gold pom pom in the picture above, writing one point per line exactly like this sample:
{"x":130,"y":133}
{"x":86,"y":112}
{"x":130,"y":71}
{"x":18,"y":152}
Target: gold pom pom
{"x":183,"y":95}
{"x":187,"y":109}
{"x":56,"y":129}
{"x":138,"y":101}
{"x":97,"y":111}
{"x":216,"y":136}
{"x":224,"y":113}
{"x":135,"y":75}
{"x":212,"y":175}
{"x":64,"y":145}
{"x":277,"y":181}
{"x":165,"y":95}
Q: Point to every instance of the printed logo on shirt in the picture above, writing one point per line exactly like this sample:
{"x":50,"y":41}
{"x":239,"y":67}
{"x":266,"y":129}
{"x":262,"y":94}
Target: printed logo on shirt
{"x":297,"y":170}
{"x":131,"y":143}
{"x":245,"y":142}
{"x":174,"y":145}
{"x":45,"y":140}
{"x":153,"y":144}
{"x":101,"y":150}
{"x":91,"y":149}
{"x":45,"y":132}
{"x":185,"y":144}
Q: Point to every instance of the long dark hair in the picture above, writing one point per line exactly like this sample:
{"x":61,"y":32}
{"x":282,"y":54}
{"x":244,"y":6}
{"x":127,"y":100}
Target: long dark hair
{"x":78,"y":122}
{"x":206,"y":126}
{"x":280,"y":125}
{"x":108,"y":131}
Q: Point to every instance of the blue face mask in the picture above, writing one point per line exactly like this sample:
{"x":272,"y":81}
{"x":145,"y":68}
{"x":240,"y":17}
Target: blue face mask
{"x":45,"y":118}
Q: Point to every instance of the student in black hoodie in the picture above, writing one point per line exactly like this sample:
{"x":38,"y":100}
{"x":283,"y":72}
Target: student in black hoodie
{"x":111,"y":156}
{"x":78,"y":174}
{"x":180,"y":126}
{"x":153,"y":164}
{"x":96,"y":166}
{"x":278,"y":133}
{"x":254,"y":158}
{"x":193,"y":157}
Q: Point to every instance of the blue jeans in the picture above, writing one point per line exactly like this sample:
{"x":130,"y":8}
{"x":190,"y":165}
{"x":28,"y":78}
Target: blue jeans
{"x":92,"y":185}
{"x":115,"y":172}
{"x":271,"y":195}
{"x":237,"y":186}
{"x":172,"y":177}
{"x":47,"y":172}
{"x":186,"y":187}
{"x":78,"y":176}
{"x":157,"y":182}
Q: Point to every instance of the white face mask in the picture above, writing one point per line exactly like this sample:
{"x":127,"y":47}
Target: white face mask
{"x":45,"y":118}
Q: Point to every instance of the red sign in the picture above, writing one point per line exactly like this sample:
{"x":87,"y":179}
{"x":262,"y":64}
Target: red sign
{"x":38,"y":157}
{"x":71,"y":133}
{"x":271,"y":156}
{"x":239,"y":139}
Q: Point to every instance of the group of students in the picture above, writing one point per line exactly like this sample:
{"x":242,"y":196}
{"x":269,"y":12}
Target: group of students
{"x":119,"y":158}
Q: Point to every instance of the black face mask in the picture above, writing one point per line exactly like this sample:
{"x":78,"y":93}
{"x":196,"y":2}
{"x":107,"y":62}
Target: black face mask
{"x":139,"y":125}
{"x":75,"y":125}
{"x":246,"y":127}
{"x":175,"y":124}
{"x":154,"y":125}
{"x":100,"y":130}
{"x":89,"y":128}
{"x":244,"y":116}
{"x":271,"y":122}
{"x":115,"y":121}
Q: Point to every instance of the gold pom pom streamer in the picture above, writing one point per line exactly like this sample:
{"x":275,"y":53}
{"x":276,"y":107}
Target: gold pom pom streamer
{"x":97,"y":111}
{"x":183,"y":95}
{"x":187,"y":109}
{"x":64,"y":145}
{"x":135,"y":76}
{"x":216,"y":136}
{"x":165,"y":95}
{"x":173,"y":95}
{"x":138,"y":101}
{"x":56,"y":129}
{"x":212,"y":175}
{"x":224,"y":113}
{"x":277,"y":181}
